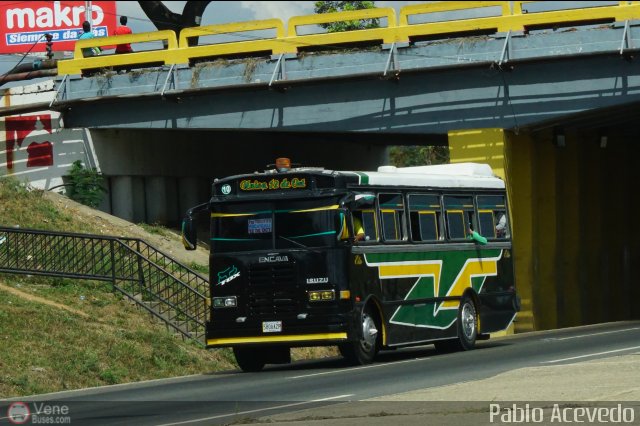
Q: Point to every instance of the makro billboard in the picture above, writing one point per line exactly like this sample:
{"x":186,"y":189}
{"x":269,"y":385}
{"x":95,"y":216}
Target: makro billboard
{"x":25,"y":23}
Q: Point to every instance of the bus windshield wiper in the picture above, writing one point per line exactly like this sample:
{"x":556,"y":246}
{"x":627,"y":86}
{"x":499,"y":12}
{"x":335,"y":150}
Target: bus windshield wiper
{"x":293,"y":242}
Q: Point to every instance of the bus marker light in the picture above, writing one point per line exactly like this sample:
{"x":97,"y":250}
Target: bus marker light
{"x":345,"y":294}
{"x":303,"y":315}
{"x":241,"y":319}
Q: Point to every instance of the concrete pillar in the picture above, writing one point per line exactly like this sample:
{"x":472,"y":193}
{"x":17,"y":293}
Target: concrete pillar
{"x":139,"y":204}
{"x":188,"y":191}
{"x":546,"y":231}
{"x":156,"y":197}
{"x":518,"y":169}
{"x":172,"y":201}
{"x":122,"y":197}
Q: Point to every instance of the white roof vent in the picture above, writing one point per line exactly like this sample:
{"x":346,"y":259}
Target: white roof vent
{"x":387,"y":169}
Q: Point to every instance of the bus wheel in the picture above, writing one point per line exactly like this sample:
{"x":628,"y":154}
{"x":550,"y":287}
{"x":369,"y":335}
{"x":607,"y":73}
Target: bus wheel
{"x":363,"y":351}
{"x":249,"y":359}
{"x":467,"y":329}
{"x":467,"y":324}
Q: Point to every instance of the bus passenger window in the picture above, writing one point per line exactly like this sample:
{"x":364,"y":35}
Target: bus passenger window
{"x":459,"y":212}
{"x":424,"y":214}
{"x":391,"y":211}
{"x":493,"y":216}
{"x":370,"y":225}
{"x":455,"y":223}
{"x":487,"y":226}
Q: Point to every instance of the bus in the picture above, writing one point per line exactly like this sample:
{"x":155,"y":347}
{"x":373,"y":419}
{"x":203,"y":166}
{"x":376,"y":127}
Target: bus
{"x":365,"y":261}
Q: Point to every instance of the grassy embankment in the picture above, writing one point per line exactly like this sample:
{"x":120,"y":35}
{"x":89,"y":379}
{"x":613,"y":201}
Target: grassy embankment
{"x":58,"y":334}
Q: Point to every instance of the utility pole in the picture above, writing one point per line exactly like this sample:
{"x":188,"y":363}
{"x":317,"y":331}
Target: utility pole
{"x":87,"y":13}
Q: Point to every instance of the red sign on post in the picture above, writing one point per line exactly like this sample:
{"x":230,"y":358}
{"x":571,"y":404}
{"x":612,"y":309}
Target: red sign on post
{"x":24,"y":24}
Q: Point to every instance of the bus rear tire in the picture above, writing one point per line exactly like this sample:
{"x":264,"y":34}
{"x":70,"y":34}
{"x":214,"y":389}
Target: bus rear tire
{"x":249,"y":360}
{"x":466,"y":327}
{"x":363,"y":351}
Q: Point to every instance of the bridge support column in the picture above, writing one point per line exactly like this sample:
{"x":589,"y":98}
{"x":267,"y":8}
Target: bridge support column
{"x":122,"y":197}
{"x":188,"y":190}
{"x":156,"y":193}
{"x":511,"y":162}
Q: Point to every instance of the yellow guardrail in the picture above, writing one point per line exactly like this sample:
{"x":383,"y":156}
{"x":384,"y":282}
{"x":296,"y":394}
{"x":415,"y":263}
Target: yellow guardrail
{"x":80,"y":62}
{"x":187,"y":54}
{"x":295,"y":41}
{"x":503,"y":16}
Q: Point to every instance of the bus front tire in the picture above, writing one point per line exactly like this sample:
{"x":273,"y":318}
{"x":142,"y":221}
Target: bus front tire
{"x":364,"y":350}
{"x":249,"y":359}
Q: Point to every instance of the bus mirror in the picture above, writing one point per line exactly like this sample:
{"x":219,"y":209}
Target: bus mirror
{"x":189,"y":226}
{"x":189,"y":233}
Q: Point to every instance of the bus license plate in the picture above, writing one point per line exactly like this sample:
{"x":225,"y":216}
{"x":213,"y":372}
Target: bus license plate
{"x":271,"y":326}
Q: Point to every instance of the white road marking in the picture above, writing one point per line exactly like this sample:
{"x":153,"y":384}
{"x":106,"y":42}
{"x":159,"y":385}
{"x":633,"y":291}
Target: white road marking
{"x":590,"y":355}
{"x":257,"y":410}
{"x":344,"y":370}
{"x":592,"y":334}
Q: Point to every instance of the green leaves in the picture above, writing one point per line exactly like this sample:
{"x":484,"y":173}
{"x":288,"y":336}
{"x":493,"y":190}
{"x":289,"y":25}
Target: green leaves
{"x":342,"y":6}
{"x":85,"y":185}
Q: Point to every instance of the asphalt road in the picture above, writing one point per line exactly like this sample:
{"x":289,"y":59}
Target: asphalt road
{"x":228,"y":397}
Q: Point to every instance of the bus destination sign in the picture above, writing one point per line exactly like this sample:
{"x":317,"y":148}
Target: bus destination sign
{"x":273,"y":184}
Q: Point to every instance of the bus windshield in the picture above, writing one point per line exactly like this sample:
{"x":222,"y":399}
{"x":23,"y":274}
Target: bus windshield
{"x":274,"y":225}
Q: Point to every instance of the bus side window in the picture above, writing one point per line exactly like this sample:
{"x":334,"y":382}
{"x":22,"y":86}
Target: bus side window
{"x":459,"y":212}
{"x":369,"y":223}
{"x":391,"y":213}
{"x":487,"y":223}
{"x":493,"y":216}
{"x":424,"y":214}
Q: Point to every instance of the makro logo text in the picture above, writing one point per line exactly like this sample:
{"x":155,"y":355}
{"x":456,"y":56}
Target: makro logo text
{"x":51,"y":17}
{"x":560,"y":414}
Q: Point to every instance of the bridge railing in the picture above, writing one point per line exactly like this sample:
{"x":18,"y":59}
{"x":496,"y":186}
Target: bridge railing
{"x":492,"y":16}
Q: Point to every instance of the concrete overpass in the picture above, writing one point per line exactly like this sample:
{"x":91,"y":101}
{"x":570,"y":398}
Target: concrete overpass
{"x":548,"y":98}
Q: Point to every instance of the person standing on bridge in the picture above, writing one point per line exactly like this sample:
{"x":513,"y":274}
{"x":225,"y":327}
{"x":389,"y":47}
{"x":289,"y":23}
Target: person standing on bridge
{"x":87,"y":34}
{"x":123,"y":29}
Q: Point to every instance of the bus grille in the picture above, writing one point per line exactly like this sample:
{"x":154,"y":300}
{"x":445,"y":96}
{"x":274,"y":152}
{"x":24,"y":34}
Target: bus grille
{"x":272,"y":289}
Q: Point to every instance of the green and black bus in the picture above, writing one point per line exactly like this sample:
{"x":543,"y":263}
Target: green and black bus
{"x":287,"y":268}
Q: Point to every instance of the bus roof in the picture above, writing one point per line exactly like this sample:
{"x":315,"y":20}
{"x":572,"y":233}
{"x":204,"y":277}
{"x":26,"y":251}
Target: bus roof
{"x":462,"y":175}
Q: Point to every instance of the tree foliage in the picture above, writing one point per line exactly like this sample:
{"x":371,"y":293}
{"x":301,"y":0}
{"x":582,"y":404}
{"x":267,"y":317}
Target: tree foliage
{"x":407,"y":156}
{"x":340,"y":6}
{"x":85,"y":185}
{"x":165,"y":19}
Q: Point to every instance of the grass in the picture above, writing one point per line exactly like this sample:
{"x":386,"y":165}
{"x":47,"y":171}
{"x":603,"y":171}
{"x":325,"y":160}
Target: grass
{"x":114,"y":343}
{"x":28,"y":209}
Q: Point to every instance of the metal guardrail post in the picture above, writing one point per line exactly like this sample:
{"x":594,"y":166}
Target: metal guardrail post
{"x":113,"y":263}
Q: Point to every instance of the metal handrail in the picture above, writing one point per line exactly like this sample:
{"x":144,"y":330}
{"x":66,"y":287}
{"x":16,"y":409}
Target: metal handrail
{"x":160,"y":284}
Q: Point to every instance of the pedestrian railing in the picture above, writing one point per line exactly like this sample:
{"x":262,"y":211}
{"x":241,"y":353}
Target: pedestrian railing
{"x":161,"y":285}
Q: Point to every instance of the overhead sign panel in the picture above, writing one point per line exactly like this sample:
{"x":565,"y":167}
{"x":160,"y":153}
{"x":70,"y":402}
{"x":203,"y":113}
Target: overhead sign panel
{"x":25,"y":23}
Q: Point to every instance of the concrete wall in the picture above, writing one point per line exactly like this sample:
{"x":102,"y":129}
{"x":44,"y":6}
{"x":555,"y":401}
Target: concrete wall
{"x":154,"y":176}
{"x":573,"y":210}
{"x":34,"y":147}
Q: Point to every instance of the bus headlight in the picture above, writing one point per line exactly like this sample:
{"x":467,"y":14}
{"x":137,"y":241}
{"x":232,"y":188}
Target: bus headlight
{"x":225,"y":302}
{"x":321,"y":295}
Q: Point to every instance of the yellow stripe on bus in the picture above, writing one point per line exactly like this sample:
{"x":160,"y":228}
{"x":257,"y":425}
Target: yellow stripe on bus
{"x":318,"y":209}
{"x":231,"y":214}
{"x":269,"y":339}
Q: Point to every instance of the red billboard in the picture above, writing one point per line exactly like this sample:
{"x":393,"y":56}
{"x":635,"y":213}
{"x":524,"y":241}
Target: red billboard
{"x":24,"y":23}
